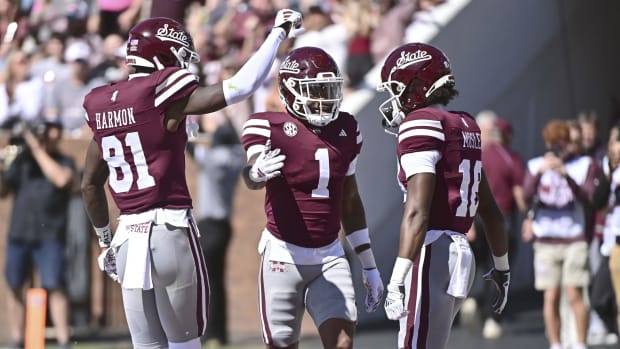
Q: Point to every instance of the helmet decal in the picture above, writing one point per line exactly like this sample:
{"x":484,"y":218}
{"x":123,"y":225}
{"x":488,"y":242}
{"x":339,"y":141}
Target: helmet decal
{"x":408,"y":58}
{"x":289,"y":66}
{"x":167,"y":33}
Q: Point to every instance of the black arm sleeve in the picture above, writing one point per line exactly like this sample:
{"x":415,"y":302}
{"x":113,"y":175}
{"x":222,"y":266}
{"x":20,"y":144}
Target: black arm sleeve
{"x":600,"y":197}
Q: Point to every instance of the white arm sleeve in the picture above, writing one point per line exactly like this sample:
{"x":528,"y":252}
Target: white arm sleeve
{"x":419,"y":162}
{"x":241,"y":85}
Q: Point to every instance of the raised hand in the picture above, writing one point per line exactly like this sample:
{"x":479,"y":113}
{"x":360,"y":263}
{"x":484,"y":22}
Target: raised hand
{"x":290,"y":21}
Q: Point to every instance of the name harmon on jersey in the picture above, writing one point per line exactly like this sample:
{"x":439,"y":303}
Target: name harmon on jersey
{"x":115,"y":118}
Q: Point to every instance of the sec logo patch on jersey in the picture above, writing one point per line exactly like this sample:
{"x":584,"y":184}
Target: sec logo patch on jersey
{"x":290,"y":129}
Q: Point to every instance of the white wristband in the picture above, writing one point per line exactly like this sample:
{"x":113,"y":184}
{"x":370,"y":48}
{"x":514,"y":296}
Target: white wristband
{"x":401,"y":268}
{"x":105,"y":235}
{"x":358,"y":238}
{"x":501,"y":263}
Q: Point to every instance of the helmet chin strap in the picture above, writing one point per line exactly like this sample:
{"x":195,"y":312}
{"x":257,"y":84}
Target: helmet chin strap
{"x":178,"y":55}
{"x":185,"y":56}
{"x":158,"y":64}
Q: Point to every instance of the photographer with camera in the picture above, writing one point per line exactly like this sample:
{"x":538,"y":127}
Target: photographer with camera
{"x":40,"y":178}
{"x":562,"y":181}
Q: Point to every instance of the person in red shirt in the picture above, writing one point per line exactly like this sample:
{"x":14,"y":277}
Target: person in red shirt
{"x":505,"y":171}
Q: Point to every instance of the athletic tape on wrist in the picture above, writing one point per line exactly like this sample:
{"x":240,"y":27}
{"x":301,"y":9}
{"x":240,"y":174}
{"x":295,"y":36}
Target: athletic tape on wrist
{"x":501,"y":263}
{"x":105,"y":235}
{"x":401,"y":268}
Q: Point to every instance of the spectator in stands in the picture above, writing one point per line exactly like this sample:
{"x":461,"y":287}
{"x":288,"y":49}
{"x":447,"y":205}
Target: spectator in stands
{"x":613,"y":178}
{"x":40,"y":177}
{"x":592,"y":144}
{"x":174,"y":9}
{"x":360,"y":18}
{"x":110,"y":12}
{"x":323,"y":32}
{"x":65,"y":102}
{"x":563,"y":183}
{"x":424,"y":23}
{"x":575,"y":147}
{"x":390,"y":30}
{"x":21,"y":95}
{"x":112,"y":68}
{"x":49,"y":64}
{"x":131,"y":15}
{"x":596,"y":218}
{"x":59,"y":16}
{"x":602,"y":297}
{"x":11,"y":35}
{"x":576,"y":137}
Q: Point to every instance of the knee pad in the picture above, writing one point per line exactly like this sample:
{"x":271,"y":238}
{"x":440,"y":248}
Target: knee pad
{"x":190,"y":344}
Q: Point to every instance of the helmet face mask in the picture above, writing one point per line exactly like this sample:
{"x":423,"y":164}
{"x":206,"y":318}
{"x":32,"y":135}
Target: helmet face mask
{"x":390,"y":109}
{"x":311,"y":86}
{"x":186,"y":56}
{"x":411,"y":74}
{"x":157,"y":43}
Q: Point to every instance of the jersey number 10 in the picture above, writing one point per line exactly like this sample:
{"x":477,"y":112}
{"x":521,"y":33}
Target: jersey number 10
{"x":469,"y":198}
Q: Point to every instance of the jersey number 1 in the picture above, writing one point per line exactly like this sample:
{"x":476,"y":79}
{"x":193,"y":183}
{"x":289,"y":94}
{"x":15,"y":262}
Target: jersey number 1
{"x":117,"y":161}
{"x":469,"y":199}
{"x":322,"y":156}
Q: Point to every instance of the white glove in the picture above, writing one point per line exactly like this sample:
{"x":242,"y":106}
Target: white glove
{"x":374,"y":288}
{"x":107,"y":263}
{"x":285,"y":16}
{"x":395,"y":302}
{"x":267,"y":165}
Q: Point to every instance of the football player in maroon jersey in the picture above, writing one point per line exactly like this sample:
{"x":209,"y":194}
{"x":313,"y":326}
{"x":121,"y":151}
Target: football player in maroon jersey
{"x":440,"y":169}
{"x":307,"y":197}
{"x":138,"y":146}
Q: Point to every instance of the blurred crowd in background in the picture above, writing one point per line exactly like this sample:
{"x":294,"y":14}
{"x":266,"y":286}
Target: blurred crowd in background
{"x":53,"y":52}
{"x":80,"y":44}
{"x":560,"y":208}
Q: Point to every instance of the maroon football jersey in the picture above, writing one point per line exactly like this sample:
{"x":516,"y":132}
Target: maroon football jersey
{"x":458,"y":172}
{"x":304,"y":204}
{"x":146,"y":161}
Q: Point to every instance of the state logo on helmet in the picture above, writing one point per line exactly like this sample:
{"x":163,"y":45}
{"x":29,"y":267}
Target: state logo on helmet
{"x":158,"y":43}
{"x":311,"y":85}
{"x":410,"y":74}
